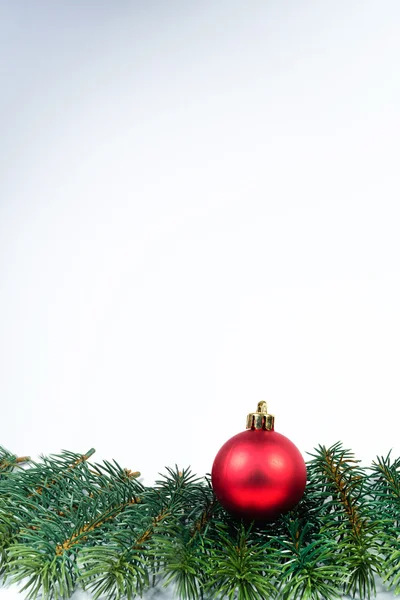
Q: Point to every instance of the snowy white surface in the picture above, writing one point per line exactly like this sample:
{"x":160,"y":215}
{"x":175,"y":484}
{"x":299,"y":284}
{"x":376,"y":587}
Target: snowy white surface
{"x":160,"y":593}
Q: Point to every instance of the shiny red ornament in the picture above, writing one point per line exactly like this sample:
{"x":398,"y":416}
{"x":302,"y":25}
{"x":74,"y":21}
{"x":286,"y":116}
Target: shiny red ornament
{"x":259,"y":474}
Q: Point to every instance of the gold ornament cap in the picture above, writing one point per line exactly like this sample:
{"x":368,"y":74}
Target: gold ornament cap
{"x":260,"y":419}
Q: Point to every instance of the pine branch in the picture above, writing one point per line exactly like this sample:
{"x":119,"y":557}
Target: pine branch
{"x":8,"y":461}
{"x":66,"y":522}
{"x":385,"y":491}
{"x":336,"y":475}
{"x":311,"y":570}
{"x":241,"y":567}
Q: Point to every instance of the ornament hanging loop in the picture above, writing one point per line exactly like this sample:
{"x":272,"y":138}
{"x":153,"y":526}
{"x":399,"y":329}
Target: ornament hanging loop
{"x":260,"y":419}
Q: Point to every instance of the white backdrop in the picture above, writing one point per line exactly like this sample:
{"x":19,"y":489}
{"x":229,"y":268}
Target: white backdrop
{"x":199,"y":209}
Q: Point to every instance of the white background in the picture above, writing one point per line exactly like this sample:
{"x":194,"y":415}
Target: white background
{"x":199,"y":209}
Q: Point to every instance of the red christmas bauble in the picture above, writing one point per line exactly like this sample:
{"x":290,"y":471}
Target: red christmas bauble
{"x":259,"y":474}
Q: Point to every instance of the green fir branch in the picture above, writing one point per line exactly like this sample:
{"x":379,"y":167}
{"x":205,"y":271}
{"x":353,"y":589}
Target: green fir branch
{"x":385,"y":491}
{"x":65,"y":521}
{"x":346,"y":517}
{"x":241,"y":568}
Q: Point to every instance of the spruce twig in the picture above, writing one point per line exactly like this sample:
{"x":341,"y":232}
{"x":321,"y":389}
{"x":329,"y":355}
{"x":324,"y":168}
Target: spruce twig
{"x":345,"y":517}
{"x":385,"y":491}
{"x":65,"y":521}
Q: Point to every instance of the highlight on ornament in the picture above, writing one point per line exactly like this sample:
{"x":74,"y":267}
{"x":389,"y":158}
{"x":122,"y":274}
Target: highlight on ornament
{"x":251,"y":529}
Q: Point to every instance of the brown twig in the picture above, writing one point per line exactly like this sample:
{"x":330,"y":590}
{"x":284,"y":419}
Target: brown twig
{"x":338,"y":476}
{"x":204,"y":518}
{"x":75,"y":537}
{"x":77,"y":462}
{"x":147,"y":534}
{"x":5,"y":463}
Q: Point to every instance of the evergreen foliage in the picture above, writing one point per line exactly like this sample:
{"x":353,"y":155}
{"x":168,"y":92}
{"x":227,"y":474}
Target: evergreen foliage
{"x":65,"y":521}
